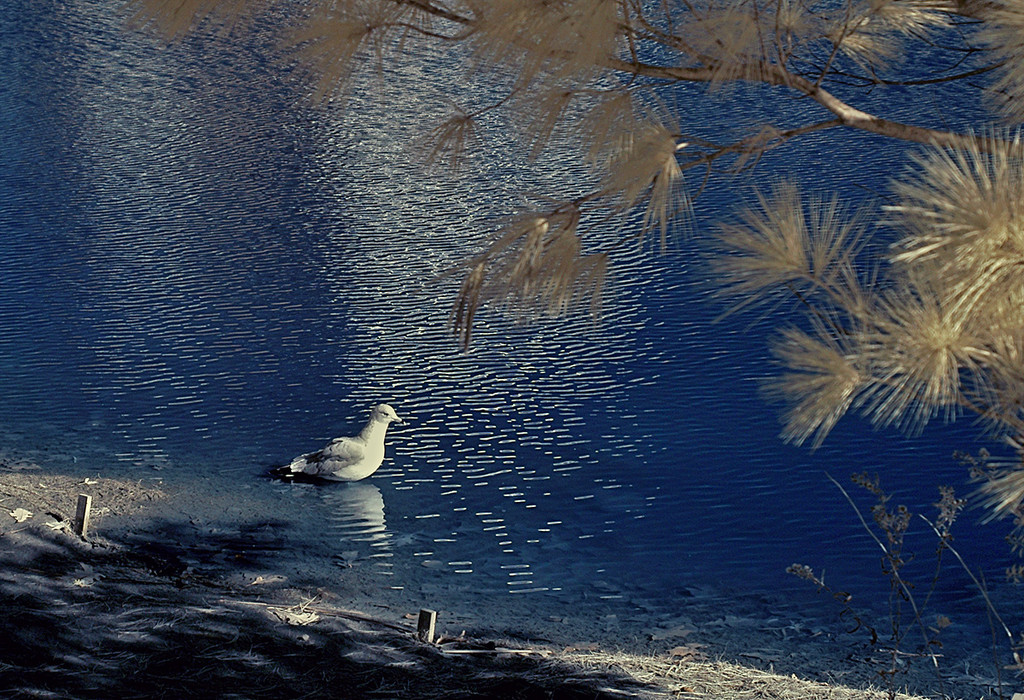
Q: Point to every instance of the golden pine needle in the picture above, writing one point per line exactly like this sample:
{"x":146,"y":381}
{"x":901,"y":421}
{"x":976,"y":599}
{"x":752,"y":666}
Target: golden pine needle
{"x":608,"y":122}
{"x":452,"y":140}
{"x":820,"y":385}
{"x":917,"y":349}
{"x":1002,"y":34}
{"x":643,"y":165}
{"x":783,"y":245}
{"x":1002,"y":492}
{"x":870,"y":31}
{"x":963,"y":210}
{"x":538,"y":267}
{"x":571,"y":38}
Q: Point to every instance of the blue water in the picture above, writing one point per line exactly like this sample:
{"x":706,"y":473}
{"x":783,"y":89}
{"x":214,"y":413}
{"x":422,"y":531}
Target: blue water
{"x":201,"y":273}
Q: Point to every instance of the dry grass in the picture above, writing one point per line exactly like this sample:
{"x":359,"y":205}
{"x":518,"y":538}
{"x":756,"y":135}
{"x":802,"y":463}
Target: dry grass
{"x":57,"y":494}
{"x":715,"y":679}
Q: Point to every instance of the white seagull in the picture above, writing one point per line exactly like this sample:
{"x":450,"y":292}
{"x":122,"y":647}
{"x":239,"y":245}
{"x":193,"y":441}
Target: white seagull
{"x":349,"y":458}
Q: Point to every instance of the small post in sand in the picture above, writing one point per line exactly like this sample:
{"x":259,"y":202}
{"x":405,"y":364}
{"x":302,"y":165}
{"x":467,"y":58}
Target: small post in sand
{"x":82,"y":515}
{"x":425,"y":626}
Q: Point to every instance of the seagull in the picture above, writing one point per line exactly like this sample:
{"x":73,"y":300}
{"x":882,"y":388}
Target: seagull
{"x":349,"y":458}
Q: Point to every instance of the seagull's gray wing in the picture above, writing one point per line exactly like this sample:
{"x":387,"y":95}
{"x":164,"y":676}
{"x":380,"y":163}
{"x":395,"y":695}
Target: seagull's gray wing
{"x":339,"y":454}
{"x":343,"y":452}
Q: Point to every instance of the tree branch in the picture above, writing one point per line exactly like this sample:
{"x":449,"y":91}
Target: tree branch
{"x":756,"y":144}
{"x":848,"y":115}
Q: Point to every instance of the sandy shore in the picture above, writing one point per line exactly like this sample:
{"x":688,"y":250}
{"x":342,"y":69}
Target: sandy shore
{"x":123,"y":613}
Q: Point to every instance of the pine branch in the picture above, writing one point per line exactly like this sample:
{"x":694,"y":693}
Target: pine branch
{"x":848,"y":115}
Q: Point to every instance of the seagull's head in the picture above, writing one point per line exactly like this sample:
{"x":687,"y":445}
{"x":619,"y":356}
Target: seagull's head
{"x":384,"y":412}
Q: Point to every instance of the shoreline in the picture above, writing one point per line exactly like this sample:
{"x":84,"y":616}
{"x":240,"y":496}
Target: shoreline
{"x":211,"y":590}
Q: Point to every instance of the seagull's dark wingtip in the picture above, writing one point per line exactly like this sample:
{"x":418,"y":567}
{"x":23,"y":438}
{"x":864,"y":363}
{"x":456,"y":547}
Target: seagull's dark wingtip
{"x":285,"y":474}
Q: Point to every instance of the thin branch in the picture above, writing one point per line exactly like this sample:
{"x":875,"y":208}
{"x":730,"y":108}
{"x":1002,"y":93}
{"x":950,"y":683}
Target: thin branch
{"x":848,"y":115}
{"x":922,"y":81}
{"x":436,"y":11}
{"x":756,"y":144}
{"x":835,"y":48}
{"x":422,"y":31}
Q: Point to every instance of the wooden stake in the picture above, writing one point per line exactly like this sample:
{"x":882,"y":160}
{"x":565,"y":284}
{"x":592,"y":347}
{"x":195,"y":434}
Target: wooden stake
{"x":425,"y":626}
{"x":82,"y":515}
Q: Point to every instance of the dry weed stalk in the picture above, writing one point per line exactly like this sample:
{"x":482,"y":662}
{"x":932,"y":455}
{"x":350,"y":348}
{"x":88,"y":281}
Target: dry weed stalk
{"x":893,"y":524}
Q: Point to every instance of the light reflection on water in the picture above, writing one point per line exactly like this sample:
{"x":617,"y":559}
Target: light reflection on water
{"x":201,"y":274}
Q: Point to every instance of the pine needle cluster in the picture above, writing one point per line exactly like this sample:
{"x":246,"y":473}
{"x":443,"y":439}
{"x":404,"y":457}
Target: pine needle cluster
{"x":537,"y":267}
{"x":937,"y":332}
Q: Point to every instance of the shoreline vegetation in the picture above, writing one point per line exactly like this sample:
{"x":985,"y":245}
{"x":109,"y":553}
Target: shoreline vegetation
{"x":128,"y":617}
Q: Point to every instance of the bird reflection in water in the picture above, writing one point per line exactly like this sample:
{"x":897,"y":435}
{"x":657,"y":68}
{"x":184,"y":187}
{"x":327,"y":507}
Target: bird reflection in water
{"x":356,"y":514}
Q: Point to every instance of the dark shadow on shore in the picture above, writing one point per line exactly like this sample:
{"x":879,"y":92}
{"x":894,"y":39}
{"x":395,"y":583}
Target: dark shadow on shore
{"x":141,"y":621}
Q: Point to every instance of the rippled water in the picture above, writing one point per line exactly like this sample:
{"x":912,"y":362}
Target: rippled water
{"x":203,"y":275}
